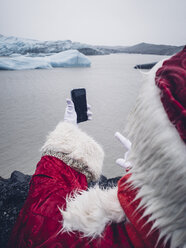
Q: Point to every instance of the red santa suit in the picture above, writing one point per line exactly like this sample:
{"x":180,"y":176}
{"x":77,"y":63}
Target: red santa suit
{"x":146,"y":209}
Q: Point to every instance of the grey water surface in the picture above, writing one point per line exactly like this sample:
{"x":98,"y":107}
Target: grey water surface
{"x":32,"y":102}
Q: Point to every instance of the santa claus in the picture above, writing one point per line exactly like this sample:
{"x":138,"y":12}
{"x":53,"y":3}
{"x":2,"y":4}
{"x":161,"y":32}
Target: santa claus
{"x":146,"y":209}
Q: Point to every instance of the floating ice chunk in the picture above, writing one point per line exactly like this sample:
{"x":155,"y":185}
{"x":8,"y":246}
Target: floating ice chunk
{"x":69,"y":58}
{"x":24,"y":63}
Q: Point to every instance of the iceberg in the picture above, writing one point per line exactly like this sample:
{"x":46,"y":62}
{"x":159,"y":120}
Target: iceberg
{"x":10,"y":45}
{"x":69,"y":58}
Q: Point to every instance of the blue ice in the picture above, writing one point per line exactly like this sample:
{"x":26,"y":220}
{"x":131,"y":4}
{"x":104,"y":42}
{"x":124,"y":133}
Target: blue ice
{"x":69,"y":58}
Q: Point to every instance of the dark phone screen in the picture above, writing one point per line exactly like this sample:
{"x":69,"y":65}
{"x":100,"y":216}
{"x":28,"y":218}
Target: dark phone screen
{"x":80,"y":103}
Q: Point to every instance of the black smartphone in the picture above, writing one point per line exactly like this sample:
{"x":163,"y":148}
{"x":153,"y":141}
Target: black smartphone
{"x":80,"y":102}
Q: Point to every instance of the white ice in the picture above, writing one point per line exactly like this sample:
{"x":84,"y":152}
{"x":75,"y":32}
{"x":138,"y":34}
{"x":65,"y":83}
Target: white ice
{"x":69,"y":58}
{"x":10,"y":45}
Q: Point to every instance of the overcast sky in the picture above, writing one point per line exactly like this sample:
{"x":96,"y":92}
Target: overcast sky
{"x":101,"y":22}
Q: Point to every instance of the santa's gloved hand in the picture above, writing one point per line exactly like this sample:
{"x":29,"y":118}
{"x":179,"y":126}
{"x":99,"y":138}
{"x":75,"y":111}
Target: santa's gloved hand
{"x":123,"y":162}
{"x":89,"y":113}
{"x":70,"y":113}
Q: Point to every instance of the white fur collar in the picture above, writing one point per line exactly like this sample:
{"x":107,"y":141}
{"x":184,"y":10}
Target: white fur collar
{"x":77,"y":145}
{"x":158,"y":156}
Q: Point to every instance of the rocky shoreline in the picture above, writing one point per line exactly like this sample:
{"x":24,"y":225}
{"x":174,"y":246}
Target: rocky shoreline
{"x":13,"y":193}
{"x":145,"y":66}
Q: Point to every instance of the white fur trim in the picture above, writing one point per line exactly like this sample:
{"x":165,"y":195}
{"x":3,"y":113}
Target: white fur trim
{"x":90,"y":211}
{"x":69,"y":139}
{"x":158,"y":156}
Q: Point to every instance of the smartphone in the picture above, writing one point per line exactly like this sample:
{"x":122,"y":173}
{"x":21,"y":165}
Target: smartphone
{"x":79,"y":99}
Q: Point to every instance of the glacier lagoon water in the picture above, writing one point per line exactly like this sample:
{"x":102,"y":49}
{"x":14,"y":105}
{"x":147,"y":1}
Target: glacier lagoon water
{"x":69,"y":58}
{"x":32,"y":102}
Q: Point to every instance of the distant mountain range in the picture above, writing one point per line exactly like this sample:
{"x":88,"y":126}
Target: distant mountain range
{"x":12,"y":45}
{"x":145,"y":48}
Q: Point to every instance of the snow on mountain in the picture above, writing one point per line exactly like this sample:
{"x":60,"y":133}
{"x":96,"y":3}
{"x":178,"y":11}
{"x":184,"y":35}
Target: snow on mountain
{"x":69,"y":58}
{"x":11,"y":45}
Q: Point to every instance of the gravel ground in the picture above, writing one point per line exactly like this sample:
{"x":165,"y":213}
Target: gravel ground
{"x":13,"y":193}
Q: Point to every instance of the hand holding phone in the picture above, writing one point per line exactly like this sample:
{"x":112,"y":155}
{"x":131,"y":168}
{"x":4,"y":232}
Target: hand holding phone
{"x":79,"y":99}
{"x":70,"y":113}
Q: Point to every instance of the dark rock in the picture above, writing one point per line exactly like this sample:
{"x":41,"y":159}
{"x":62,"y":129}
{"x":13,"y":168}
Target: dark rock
{"x":13,"y":193}
{"x":17,"y":176}
{"x":105,"y":183}
{"x":145,"y":66}
{"x":14,"y":211}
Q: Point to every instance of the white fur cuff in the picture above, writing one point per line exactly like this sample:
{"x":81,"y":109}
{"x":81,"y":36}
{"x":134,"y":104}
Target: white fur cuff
{"x":77,"y":146}
{"x":90,"y":211}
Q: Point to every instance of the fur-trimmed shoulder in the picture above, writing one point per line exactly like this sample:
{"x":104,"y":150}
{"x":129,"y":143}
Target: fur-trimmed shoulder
{"x":76,"y":145}
{"x":90,"y":211}
{"x":158,"y":156}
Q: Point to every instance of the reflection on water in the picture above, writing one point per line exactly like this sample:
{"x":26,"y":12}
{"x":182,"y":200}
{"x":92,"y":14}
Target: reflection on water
{"x":33,"y":102}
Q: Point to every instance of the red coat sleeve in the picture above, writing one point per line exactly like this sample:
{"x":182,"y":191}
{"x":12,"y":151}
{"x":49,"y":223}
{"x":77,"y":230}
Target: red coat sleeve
{"x":40,"y":222}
